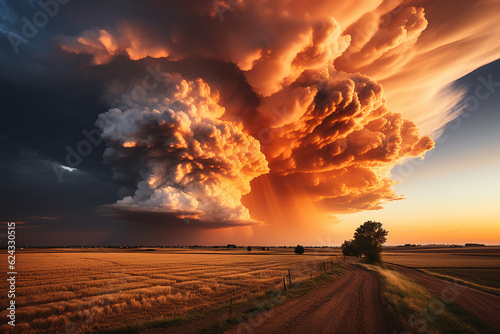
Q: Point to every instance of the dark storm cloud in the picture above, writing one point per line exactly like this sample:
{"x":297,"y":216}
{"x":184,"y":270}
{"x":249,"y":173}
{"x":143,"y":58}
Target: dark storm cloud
{"x":272,"y":50}
{"x":337,"y":140}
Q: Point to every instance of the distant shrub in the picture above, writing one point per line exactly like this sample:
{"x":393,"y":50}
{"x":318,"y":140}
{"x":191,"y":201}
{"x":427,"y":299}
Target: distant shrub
{"x":299,"y":249}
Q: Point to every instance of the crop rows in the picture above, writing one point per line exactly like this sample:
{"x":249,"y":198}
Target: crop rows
{"x":66,"y":291}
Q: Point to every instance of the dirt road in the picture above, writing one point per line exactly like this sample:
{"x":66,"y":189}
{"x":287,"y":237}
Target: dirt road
{"x":483,"y":305}
{"x":352,"y":304}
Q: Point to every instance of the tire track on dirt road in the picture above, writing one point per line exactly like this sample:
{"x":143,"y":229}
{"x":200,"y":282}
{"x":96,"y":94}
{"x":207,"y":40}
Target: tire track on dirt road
{"x":351,"y":304}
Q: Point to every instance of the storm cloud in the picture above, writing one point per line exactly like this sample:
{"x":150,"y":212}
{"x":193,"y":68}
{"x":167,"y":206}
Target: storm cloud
{"x":321,"y":121}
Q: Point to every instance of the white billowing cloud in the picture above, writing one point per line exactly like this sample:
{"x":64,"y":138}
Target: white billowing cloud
{"x":176,"y":155}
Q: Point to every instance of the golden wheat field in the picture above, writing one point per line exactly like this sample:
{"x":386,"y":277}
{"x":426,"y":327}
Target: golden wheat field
{"x":71,"y":291}
{"x":463,"y":257}
{"x":479,"y":266}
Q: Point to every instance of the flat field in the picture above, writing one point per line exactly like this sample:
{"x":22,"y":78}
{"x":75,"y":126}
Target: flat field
{"x":477,"y":265}
{"x":69,"y":290}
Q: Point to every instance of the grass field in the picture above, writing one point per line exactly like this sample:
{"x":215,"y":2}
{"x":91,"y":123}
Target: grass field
{"x":482,"y":276}
{"x":95,"y":290}
{"x":477,"y":267}
{"x":467,"y":257}
{"x":407,"y":300}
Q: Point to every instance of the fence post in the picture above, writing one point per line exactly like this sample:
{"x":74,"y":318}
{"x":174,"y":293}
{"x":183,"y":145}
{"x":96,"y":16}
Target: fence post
{"x":284,"y":284}
{"x":289,"y":278}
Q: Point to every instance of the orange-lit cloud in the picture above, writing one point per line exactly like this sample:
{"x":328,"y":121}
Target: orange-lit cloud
{"x":174,"y":154}
{"x":103,"y":44}
{"x":416,"y":49}
{"x":45,"y":218}
{"x":346,"y":123}
{"x":341,"y":89}
{"x":19,"y":224}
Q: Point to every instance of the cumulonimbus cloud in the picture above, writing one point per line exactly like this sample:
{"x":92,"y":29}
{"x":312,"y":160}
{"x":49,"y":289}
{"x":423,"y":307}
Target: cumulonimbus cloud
{"x":340,"y":100}
{"x":173,"y":153}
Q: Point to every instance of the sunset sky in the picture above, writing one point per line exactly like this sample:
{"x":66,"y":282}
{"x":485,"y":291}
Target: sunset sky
{"x":256,"y":122}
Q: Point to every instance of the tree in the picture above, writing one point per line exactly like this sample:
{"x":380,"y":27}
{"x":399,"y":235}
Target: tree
{"x":368,"y":241}
{"x":299,"y":249}
{"x":349,"y":248}
{"x":249,"y":248}
{"x":369,"y":238}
